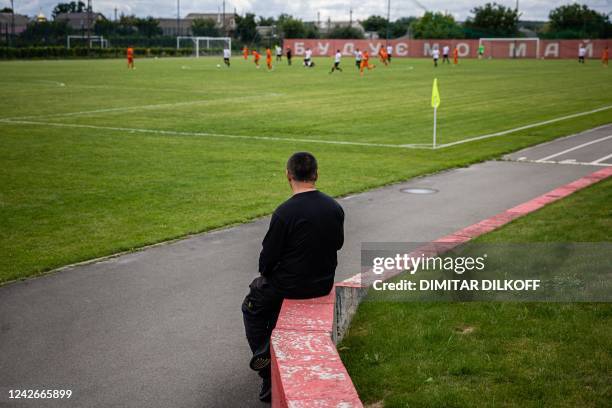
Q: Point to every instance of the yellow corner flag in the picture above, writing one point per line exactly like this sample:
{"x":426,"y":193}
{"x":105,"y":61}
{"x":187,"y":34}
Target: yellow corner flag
{"x":435,"y":95}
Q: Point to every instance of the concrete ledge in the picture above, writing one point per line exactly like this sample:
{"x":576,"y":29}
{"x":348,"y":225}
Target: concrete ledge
{"x":306,"y":368}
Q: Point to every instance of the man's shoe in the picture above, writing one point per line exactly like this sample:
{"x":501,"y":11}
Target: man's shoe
{"x":265,"y":393}
{"x":261,"y":358}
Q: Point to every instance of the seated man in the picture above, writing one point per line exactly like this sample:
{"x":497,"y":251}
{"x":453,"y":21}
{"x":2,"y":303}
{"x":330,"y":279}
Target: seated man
{"x":297,"y":261}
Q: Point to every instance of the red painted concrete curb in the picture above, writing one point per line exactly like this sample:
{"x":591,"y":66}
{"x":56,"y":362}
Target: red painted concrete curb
{"x":306,"y":368}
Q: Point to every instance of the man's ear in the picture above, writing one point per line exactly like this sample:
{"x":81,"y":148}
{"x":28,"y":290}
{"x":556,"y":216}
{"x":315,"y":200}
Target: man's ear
{"x":316,"y":177}
{"x":287,"y":174}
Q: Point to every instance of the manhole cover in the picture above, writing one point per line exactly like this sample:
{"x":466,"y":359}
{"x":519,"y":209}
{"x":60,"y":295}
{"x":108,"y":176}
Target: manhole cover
{"x":416,"y":190}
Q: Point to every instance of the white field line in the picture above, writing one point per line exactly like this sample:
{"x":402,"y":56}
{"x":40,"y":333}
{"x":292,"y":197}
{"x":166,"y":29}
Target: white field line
{"x":45,"y":81}
{"x":22,"y":120}
{"x":533,"y":125}
{"x":203,"y":134}
{"x":571,"y":149}
{"x":143,"y":107}
{"x":603,"y":159}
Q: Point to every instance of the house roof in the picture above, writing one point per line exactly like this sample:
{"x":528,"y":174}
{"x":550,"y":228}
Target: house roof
{"x":78,"y":20}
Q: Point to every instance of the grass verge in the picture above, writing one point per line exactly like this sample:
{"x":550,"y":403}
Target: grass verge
{"x":493,"y":354}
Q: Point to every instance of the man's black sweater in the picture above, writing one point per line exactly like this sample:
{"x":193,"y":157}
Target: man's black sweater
{"x":298,"y":257}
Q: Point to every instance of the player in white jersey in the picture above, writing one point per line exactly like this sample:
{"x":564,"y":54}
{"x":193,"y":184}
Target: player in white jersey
{"x":389,"y":52}
{"x":358,"y":58}
{"x":445,"y":52}
{"x":581,"y":54}
{"x":337,"y":59}
{"x":308,"y":58}
{"x":279,"y":53}
{"x":227,"y":54}
{"x":436,"y":56}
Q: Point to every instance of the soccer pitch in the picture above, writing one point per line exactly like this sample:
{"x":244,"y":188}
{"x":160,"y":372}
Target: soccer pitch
{"x":97,"y":159}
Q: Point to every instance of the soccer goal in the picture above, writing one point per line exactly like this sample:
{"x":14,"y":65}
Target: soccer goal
{"x":511,"y":47}
{"x":203,"y":46}
{"x":94,"y":40}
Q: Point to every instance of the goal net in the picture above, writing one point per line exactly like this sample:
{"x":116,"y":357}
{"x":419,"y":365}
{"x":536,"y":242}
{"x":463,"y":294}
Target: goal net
{"x":86,"y":41}
{"x":511,"y":47}
{"x":204,"y":46}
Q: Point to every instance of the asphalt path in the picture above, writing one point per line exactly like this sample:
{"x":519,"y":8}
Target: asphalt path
{"x":591,"y":148}
{"x":162,"y":327}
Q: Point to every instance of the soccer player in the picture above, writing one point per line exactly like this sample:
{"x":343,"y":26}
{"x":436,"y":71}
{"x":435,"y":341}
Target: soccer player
{"x":481,"y":51}
{"x":308,"y":58}
{"x":365,"y":63}
{"x":130,"y":58}
{"x":279,"y":53}
{"x":389,"y":52}
{"x":581,"y":54}
{"x":337,"y":59}
{"x":227,"y":53}
{"x":289,"y":55}
{"x":382,"y":54}
{"x":269,"y":58}
{"x":456,"y":56}
{"x":436,"y":56}
{"x":445,"y":53}
{"x":358,"y":58}
{"x":256,"y":57}
{"x":604,"y":56}
{"x":245,"y":53}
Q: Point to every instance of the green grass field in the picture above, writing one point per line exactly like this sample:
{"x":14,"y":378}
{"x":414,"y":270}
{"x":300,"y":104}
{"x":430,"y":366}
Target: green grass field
{"x":97,"y":159}
{"x":493,"y":353}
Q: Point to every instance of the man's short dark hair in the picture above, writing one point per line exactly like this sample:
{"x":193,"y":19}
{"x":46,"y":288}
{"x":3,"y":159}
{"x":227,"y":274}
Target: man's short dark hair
{"x":302,"y":166}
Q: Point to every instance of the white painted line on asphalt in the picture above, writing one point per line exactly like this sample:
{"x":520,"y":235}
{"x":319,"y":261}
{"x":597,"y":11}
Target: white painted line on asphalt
{"x":533,"y":125}
{"x":603,"y":159}
{"x":567,"y":162}
{"x":571,"y":149}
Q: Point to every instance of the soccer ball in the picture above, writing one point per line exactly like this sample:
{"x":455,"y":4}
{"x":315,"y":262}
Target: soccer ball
{"x":218,"y":65}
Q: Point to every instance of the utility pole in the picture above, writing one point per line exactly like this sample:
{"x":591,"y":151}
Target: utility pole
{"x":12,"y":22}
{"x":178,"y":17}
{"x":223,"y":24}
{"x":350,"y":18}
{"x":388,"y":21}
{"x":89,"y":18}
{"x":115,"y":14}
{"x":516,"y":10}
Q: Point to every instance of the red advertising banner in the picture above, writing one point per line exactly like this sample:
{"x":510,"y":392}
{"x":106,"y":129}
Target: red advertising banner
{"x":493,"y":48}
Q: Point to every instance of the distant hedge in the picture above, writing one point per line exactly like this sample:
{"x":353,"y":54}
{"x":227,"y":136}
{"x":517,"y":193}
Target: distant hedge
{"x":80,"y":52}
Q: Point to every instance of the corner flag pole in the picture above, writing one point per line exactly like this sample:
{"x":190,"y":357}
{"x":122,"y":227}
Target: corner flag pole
{"x":435,"y":102}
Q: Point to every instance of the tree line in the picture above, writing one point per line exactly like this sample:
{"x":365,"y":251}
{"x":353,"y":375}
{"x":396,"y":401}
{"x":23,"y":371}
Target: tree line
{"x":488,"y":20}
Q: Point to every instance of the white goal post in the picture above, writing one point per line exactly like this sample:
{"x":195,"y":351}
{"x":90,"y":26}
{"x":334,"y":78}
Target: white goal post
{"x":205,"y":45}
{"x":93,"y":39}
{"x":527,"y":47}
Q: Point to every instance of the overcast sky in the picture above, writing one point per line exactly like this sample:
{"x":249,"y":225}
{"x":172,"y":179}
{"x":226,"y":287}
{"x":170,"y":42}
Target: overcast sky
{"x":306,"y":10}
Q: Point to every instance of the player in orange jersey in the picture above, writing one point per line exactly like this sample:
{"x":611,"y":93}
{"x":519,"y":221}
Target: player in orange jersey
{"x":456,"y":56}
{"x":365,"y":63}
{"x":384,"y":57}
{"x":245,"y":52}
{"x":256,"y":57}
{"x":130,"y":58}
{"x":269,"y":58}
{"x":604,"y":56}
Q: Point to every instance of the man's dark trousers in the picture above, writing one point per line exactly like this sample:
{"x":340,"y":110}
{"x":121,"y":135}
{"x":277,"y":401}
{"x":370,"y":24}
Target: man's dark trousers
{"x":260,"y":311}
